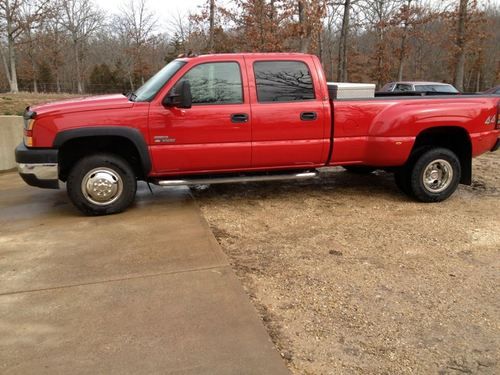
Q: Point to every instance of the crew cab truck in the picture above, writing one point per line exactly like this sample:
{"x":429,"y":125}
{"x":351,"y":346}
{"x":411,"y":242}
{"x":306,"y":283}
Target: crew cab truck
{"x":249,"y":117}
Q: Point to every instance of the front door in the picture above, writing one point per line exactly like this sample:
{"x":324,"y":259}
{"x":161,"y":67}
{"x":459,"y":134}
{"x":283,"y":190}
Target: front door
{"x":214,"y":134}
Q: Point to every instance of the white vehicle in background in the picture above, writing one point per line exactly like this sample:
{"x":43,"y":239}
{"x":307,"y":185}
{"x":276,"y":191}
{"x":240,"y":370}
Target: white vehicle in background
{"x":414,"y":86}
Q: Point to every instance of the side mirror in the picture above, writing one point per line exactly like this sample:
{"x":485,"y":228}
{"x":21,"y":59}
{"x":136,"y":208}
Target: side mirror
{"x":180,"y":96}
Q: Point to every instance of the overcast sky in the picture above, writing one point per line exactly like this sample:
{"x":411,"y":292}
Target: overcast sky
{"x":162,"y":8}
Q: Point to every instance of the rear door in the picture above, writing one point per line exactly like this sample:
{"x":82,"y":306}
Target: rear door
{"x":288,"y":116}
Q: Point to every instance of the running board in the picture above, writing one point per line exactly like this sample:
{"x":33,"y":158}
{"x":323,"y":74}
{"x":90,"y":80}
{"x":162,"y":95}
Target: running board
{"x":236,"y":179}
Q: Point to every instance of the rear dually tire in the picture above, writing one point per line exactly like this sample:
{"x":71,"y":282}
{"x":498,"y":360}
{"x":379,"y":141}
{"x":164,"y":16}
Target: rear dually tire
{"x":432,"y":175}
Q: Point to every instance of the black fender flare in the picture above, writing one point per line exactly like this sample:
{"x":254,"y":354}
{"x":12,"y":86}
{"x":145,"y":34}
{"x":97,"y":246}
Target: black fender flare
{"x":132,"y":134}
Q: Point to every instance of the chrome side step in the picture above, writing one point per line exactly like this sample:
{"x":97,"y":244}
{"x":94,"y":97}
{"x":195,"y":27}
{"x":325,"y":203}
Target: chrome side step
{"x":235,"y":179}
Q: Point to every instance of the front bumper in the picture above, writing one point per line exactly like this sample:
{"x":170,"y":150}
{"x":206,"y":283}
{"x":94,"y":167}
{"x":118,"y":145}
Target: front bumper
{"x":38,"y":167}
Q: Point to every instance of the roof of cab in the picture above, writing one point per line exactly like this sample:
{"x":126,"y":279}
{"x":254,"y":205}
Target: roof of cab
{"x":219,"y":56}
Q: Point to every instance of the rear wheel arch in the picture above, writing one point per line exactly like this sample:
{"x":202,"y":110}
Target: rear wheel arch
{"x":127,"y":143}
{"x":454,"y":138}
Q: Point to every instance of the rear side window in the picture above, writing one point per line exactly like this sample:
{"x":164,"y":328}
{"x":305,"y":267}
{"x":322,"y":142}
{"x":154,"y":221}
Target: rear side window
{"x":215,"y":83}
{"x":435,"y":88}
{"x":283,"y":81}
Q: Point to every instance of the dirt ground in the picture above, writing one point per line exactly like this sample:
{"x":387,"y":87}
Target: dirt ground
{"x":351,"y":276}
{"x":14,"y":104}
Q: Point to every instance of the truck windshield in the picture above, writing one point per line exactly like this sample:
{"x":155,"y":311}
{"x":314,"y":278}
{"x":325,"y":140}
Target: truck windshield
{"x":148,"y":91}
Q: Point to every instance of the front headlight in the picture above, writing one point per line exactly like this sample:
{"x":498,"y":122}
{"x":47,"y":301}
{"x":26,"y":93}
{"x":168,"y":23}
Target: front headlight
{"x":29,"y":122}
{"x":28,"y":133}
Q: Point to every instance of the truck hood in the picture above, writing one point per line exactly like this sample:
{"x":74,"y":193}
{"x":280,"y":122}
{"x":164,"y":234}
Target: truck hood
{"x":90,"y":103}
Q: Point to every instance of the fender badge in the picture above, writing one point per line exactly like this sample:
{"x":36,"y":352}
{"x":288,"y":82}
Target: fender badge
{"x":490,"y":120}
{"x":163,"y":139}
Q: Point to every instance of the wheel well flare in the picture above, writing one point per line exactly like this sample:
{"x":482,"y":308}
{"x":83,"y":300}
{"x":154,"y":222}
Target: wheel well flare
{"x":453,"y":138}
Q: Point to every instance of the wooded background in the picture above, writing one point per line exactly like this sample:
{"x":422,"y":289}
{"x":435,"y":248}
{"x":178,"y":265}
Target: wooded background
{"x":74,"y":46}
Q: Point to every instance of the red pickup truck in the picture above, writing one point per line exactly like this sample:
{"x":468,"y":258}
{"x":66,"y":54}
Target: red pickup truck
{"x":249,"y":117}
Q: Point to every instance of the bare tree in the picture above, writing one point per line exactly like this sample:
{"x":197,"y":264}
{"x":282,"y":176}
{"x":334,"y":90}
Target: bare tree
{"x":16,"y":16}
{"x":405,"y":15}
{"x":136,"y":24}
{"x":377,"y":15}
{"x":342,"y":60}
{"x":54,"y":44}
{"x":211,"y":31}
{"x":310,"y":13}
{"x":81,"y":19}
{"x":180,"y":26}
{"x":33,"y":16}
{"x":460,"y":43}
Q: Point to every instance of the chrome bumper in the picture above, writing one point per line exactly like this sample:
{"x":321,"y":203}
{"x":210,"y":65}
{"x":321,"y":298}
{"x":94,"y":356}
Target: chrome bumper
{"x":38,"y":167}
{"x":39,"y":175}
{"x":40,"y":171}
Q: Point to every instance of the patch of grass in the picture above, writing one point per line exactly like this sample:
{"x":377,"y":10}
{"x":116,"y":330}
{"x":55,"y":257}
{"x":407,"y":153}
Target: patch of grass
{"x":15,"y":104}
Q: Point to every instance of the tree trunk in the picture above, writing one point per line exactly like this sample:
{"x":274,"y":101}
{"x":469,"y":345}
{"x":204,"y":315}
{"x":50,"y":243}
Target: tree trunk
{"x":13,"y":71}
{"x":131,"y":81}
{"x":6,"y":66}
{"x":404,"y":37}
{"x":77,"y":65}
{"x":33,"y":69}
{"x":212,"y":24}
{"x":402,"y":53}
{"x":380,"y":58}
{"x":460,"y":41}
{"x":320,"y":48}
{"x":342,"y":65}
{"x":305,"y":39}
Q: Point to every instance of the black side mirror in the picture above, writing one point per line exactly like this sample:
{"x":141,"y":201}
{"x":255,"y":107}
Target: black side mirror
{"x":180,"y":96}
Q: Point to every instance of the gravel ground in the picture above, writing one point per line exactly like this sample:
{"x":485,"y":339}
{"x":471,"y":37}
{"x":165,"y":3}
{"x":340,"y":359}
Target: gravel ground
{"x":350,"y":276}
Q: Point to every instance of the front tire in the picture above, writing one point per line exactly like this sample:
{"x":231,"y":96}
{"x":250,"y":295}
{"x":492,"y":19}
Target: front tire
{"x":101,"y":184}
{"x":435,"y":175}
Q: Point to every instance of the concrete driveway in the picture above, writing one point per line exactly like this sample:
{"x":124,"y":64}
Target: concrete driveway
{"x":146,"y":291}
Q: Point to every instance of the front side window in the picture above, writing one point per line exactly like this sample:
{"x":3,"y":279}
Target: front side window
{"x":215,"y":83}
{"x":402,"y":87}
{"x":283,"y":81}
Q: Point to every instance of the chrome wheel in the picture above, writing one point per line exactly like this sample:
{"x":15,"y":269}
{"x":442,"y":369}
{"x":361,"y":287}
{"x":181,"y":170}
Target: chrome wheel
{"x":102,"y":186}
{"x":437,"y":176}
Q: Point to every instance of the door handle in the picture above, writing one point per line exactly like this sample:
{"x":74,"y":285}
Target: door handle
{"x":239,"y":117}
{"x":308,"y":116}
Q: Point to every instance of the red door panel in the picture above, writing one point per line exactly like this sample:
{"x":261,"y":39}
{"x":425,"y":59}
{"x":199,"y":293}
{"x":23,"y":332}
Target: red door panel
{"x":215,"y":133}
{"x":288,"y":115}
{"x":202,"y":138}
{"x":281,"y":138}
